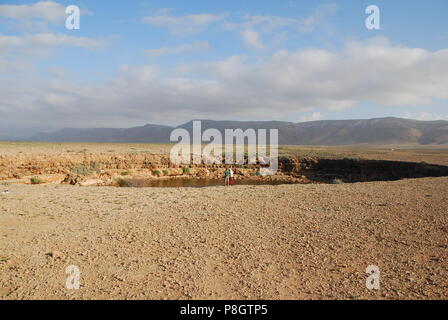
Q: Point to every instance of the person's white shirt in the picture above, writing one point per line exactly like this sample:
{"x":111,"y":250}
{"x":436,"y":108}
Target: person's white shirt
{"x":231,"y":173}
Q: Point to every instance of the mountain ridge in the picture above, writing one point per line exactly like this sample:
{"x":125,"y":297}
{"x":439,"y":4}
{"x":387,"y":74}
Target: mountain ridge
{"x":388,"y":130}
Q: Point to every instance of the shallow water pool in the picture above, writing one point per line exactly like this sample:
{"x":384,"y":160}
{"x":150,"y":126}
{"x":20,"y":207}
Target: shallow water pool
{"x":198,"y":183}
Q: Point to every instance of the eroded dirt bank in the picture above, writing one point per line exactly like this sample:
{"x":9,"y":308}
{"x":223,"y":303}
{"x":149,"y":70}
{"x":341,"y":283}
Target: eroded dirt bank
{"x":105,"y":169}
{"x":257,"y":242}
{"x":133,"y":169}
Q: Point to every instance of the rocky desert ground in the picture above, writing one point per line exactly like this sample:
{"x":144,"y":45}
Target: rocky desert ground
{"x":296,"y":241}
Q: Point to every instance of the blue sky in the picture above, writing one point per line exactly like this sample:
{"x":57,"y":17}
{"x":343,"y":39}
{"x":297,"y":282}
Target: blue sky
{"x":167,"y":62}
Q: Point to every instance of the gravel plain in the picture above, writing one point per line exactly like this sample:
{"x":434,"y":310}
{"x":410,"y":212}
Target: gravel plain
{"x":242,"y":242}
{"x":307,"y":241}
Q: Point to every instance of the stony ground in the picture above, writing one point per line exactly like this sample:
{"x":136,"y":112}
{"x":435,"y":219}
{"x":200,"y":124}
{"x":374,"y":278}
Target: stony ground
{"x":257,"y":242}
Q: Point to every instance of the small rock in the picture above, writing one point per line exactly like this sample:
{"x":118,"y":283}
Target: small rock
{"x":56,"y":255}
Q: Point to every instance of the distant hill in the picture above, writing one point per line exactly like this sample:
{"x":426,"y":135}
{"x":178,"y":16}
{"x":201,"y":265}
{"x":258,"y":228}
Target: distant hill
{"x":147,"y":133}
{"x":4,"y":137}
{"x":327,"y":132}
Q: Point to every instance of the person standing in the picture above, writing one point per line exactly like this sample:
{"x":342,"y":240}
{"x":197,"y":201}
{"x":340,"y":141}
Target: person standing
{"x":227,"y":177}
{"x":231,"y":179}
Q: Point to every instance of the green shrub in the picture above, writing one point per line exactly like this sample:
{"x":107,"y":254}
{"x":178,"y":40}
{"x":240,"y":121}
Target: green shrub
{"x":36,"y":180}
{"x":86,"y":170}
{"x":156,"y":172}
{"x":82,"y":170}
{"x":95,"y":165}
{"x":165,"y":172}
{"x":122,"y":182}
{"x":125,"y":173}
{"x":256,"y":173}
{"x":337,"y":181}
{"x":186,"y":170}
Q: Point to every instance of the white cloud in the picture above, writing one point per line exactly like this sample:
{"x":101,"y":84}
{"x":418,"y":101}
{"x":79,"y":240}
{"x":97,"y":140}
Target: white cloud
{"x":45,"y":10}
{"x":8,"y":66}
{"x":252,"y":38}
{"x":425,"y":116}
{"x":36,"y":17}
{"x":318,"y":18}
{"x":373,"y":71}
{"x":47,"y":40}
{"x":188,"y":24}
{"x":312,"y":117}
{"x":266,"y":23}
{"x":253,"y":27}
{"x":183,"y":48}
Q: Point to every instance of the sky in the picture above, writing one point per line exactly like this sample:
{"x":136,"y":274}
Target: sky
{"x":168,"y":62}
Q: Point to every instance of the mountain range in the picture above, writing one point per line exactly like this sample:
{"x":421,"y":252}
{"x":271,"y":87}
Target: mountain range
{"x":377,"y":131}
